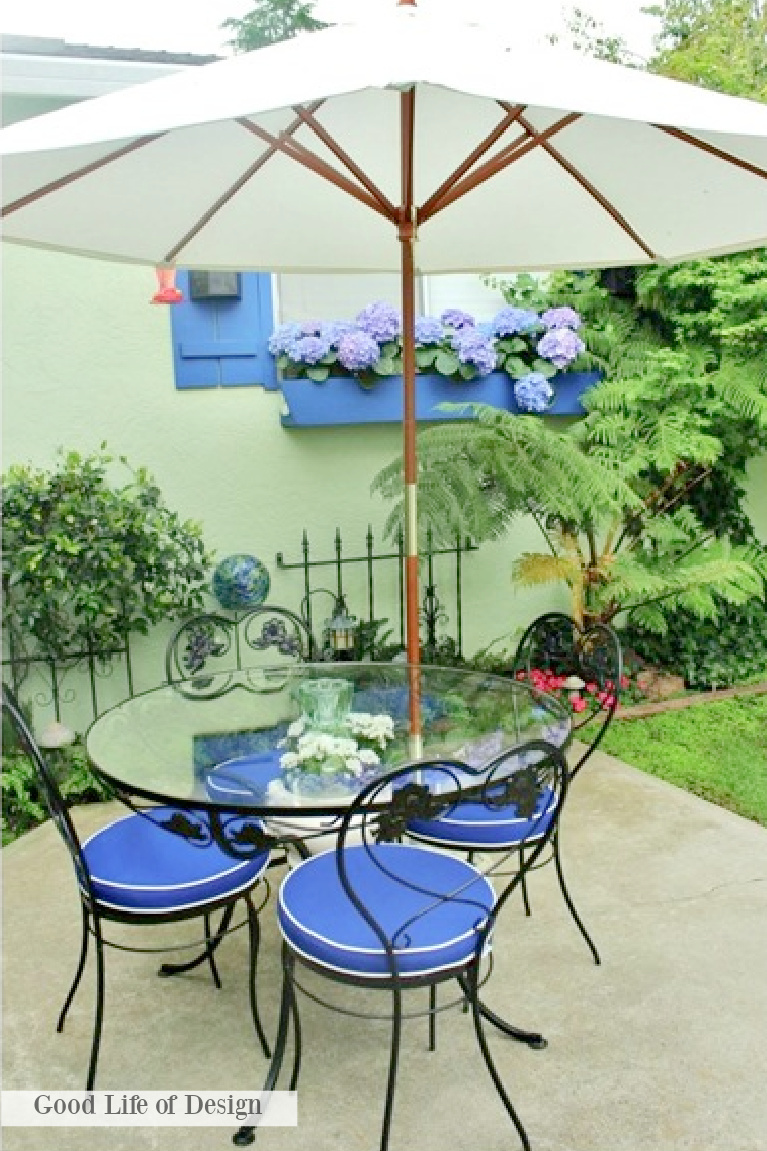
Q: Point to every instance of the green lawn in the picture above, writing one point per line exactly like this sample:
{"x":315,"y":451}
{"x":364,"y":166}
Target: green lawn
{"x":716,"y":750}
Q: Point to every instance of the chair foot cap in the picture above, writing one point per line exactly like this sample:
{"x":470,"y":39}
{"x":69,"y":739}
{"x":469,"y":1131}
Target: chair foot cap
{"x":244,"y":1137}
{"x":538,"y":1043}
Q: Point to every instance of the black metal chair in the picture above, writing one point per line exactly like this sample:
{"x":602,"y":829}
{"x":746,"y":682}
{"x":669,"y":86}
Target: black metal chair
{"x":135,"y":871}
{"x":396,"y":918}
{"x":211,"y":643}
{"x":587,"y":662}
{"x":555,"y":654}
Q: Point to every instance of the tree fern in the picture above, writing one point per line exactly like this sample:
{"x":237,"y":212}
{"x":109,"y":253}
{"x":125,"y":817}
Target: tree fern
{"x":611,"y":493}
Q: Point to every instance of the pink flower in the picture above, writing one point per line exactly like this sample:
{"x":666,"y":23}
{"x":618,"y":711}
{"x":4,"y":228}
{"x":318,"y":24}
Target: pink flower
{"x":578,"y":702}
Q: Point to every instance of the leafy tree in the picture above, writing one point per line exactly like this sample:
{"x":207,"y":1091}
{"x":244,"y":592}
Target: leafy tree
{"x":719,"y":305}
{"x":270,"y":21}
{"x":588,"y":35}
{"x":719,"y":44}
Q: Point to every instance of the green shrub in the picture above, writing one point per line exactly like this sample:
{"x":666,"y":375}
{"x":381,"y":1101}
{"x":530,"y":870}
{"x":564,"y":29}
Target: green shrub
{"x":86,"y":561}
{"x":23,"y":802}
{"x":708,"y":653}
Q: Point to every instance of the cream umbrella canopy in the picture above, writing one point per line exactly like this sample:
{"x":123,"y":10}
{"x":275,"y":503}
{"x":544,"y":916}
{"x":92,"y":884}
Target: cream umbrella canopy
{"x":401,"y":143}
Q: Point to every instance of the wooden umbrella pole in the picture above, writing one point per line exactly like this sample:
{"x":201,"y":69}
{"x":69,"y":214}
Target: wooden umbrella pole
{"x":407,"y":237}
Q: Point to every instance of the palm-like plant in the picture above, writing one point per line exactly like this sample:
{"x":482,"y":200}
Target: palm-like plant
{"x":609,"y":493}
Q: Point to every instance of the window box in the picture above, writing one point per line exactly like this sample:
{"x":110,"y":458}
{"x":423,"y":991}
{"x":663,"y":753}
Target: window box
{"x":340,"y":400}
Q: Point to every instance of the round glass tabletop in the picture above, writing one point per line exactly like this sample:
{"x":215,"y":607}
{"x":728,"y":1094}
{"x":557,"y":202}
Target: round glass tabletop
{"x":306,"y":739}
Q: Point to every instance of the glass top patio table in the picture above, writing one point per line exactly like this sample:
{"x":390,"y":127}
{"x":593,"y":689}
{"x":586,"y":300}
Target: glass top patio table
{"x":218,"y":741}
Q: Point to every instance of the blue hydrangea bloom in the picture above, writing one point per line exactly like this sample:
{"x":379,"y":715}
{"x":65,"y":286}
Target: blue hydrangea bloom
{"x":428,"y":330}
{"x":309,"y":349}
{"x":332,"y":330}
{"x":533,"y":393}
{"x":455,"y":318}
{"x":560,"y":346}
{"x":358,"y":351}
{"x":562,"y":318}
{"x":513,"y":321}
{"x":380,"y":320}
{"x":310,"y":327}
{"x":472,"y":347}
{"x":282,"y":339}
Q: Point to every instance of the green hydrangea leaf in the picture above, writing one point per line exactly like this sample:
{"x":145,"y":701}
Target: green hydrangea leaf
{"x":446,"y":363}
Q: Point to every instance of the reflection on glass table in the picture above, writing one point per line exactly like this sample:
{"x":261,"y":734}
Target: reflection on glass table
{"x":306,"y":739}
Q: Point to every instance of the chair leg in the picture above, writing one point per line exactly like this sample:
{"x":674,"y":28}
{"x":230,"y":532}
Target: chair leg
{"x":532,"y":1039}
{"x":254,"y":932}
{"x":523,"y":882}
{"x":213,"y":941}
{"x":477,"y":1013}
{"x":99,"y":1004}
{"x":569,"y":902}
{"x":391,"y":1082}
{"x":433,"y":1017}
{"x":246,"y":1135}
{"x":78,"y":973}
{"x":289,"y":965}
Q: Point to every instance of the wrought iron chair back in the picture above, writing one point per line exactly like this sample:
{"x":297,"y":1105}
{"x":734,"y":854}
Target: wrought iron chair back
{"x":211,"y":643}
{"x":532,"y":779}
{"x":556,"y":654}
{"x":52,"y":797}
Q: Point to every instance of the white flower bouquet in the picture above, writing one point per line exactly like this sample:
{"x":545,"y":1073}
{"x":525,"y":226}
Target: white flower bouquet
{"x":353,"y":750}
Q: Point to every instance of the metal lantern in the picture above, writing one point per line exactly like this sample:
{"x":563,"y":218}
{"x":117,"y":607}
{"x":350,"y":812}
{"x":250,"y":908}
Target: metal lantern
{"x":340,"y":631}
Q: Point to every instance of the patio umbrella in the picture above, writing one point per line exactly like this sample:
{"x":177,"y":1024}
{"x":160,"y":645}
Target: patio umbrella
{"x":402,"y":143}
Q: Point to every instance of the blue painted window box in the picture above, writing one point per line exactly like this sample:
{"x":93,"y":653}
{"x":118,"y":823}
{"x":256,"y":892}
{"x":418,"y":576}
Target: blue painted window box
{"x":341,"y":400}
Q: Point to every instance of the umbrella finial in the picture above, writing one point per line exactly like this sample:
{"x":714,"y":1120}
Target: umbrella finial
{"x":406,"y":3}
{"x":167,"y":292}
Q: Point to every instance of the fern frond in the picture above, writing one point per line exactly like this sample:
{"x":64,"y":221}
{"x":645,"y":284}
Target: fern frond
{"x":534,"y":568}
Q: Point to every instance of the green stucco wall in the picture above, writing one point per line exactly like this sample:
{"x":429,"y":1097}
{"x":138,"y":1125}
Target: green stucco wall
{"x":86,"y":359}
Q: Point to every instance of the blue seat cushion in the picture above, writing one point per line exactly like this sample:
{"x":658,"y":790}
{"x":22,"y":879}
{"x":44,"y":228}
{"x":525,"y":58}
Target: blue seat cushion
{"x":138,"y":866}
{"x":475,"y":826}
{"x":244,"y":779}
{"x":430,"y":906}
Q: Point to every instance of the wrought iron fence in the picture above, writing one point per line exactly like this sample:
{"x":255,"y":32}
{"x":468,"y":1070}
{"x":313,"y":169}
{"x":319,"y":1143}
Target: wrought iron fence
{"x":441,"y":604}
{"x":78,"y":686}
{"x":81,"y":682}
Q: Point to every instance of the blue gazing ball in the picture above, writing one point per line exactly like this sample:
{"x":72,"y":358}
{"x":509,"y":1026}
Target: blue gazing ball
{"x":240,"y":581}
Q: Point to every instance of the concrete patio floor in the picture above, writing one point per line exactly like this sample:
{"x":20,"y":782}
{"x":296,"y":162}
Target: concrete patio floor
{"x":662,"y":1048}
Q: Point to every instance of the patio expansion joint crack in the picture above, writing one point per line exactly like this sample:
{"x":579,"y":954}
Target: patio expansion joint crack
{"x":699,"y":894}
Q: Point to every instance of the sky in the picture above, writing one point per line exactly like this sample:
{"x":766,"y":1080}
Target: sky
{"x":194,"y":25}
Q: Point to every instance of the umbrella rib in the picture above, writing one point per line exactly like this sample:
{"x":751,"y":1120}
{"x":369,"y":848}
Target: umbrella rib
{"x":502,"y":160}
{"x":232,"y":191}
{"x":592,"y":191}
{"x":712,"y":150}
{"x":432,"y":204}
{"x":70,"y":178}
{"x":314,"y":163}
{"x":311,"y":122}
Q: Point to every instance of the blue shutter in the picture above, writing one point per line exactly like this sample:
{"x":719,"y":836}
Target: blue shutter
{"x":222,"y":343}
